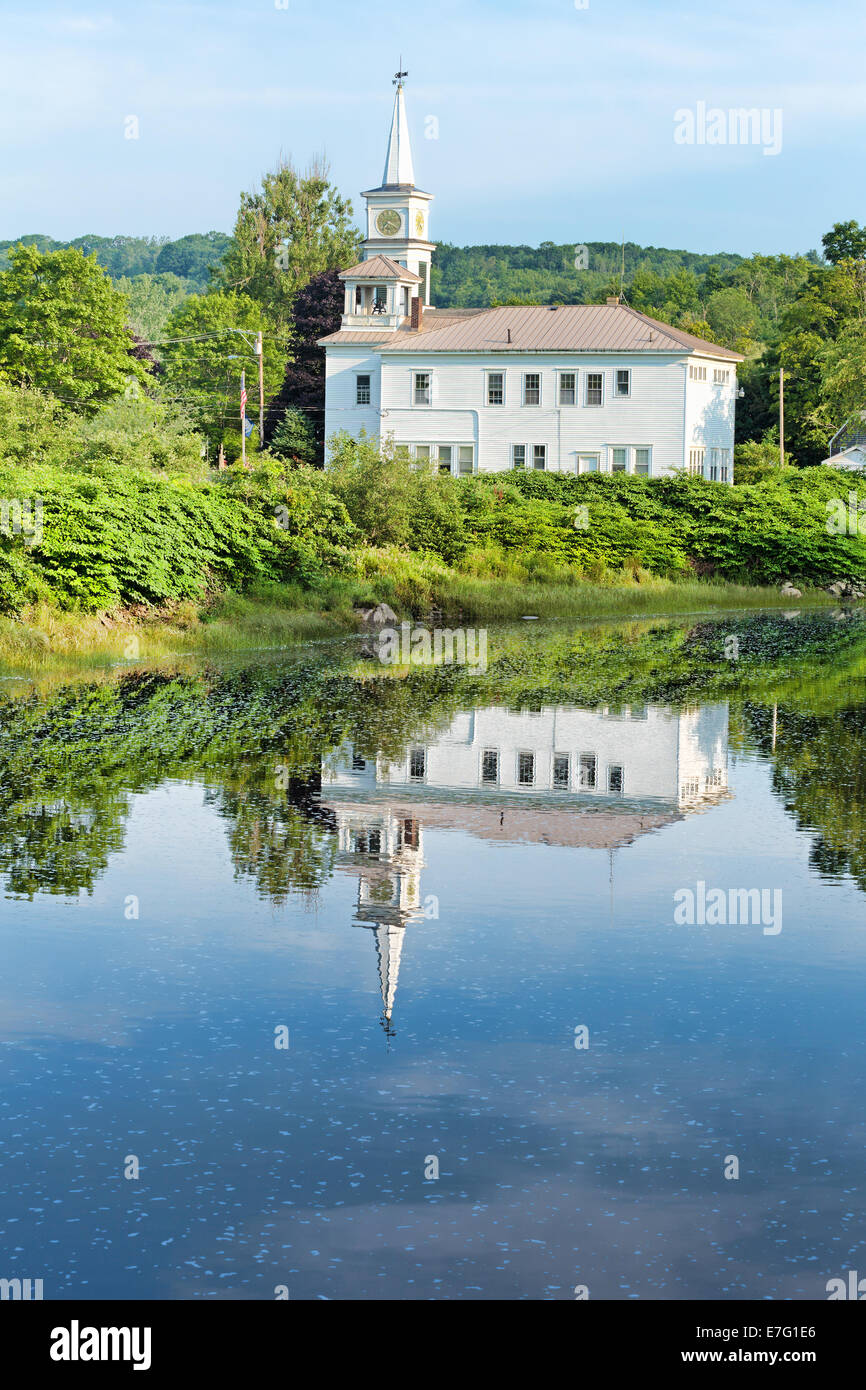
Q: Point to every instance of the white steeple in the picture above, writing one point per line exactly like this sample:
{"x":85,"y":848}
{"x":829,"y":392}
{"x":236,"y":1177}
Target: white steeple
{"x":398,"y":161}
{"x":398,"y":213}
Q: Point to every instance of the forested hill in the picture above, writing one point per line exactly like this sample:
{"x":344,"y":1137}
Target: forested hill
{"x":190,"y":257}
{"x":468,"y":276}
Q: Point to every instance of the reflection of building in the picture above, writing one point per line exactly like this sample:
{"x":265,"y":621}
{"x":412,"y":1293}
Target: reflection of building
{"x":387,"y":854}
{"x":552,"y":775}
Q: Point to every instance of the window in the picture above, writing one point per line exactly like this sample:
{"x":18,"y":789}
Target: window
{"x":560,"y":771}
{"x":518,"y":456}
{"x":362,"y":390}
{"x":725,"y":464}
{"x":532,"y":388}
{"x":418,"y":764}
{"x":446,"y":454}
{"x":422,"y":453}
{"x":358,"y":764}
{"x":568,"y":388}
{"x":586,"y":771}
{"x":489,"y":767}
{"x":402,"y":451}
{"x":714,"y":465}
{"x":697,"y":373}
{"x":696,"y":462}
{"x":619,"y":461}
{"x":495,"y":388}
{"x":623,"y":381}
{"x":423,"y":392}
{"x":594,"y":388}
{"x":615,"y":778}
{"x":369,"y":842}
{"x":720,"y":376}
{"x":525,"y":769}
{"x":642,"y":462}
{"x":466,"y":459}
{"x":539,"y":456}
{"x":587,"y":463}
{"x":411,"y":834}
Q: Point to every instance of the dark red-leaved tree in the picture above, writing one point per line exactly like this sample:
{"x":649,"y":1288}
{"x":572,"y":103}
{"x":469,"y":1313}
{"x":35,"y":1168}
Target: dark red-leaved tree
{"x":317,"y":311}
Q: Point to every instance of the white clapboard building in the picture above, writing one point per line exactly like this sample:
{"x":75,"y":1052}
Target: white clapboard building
{"x":568,"y":388}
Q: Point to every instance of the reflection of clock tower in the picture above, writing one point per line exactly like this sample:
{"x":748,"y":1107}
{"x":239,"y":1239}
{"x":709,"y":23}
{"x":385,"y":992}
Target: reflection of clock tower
{"x":398,"y":212}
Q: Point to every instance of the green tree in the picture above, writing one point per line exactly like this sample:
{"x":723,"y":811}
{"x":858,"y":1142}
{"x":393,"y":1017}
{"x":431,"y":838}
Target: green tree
{"x":731,"y":317}
{"x":294,"y":437}
{"x":293,"y":228}
{"x":846,"y":241}
{"x":63,"y":328}
{"x":193,"y":257}
{"x":202,"y":371}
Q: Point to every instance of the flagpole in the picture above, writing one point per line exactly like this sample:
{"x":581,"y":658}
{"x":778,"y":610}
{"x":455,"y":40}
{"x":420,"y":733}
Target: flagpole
{"x":243,"y":418}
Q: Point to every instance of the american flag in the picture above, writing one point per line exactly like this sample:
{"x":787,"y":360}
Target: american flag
{"x":243,"y":401}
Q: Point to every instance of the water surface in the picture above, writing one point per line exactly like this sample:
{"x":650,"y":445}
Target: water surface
{"x":429,"y":884}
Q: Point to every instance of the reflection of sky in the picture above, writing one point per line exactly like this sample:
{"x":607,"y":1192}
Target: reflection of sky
{"x":558,"y":1167}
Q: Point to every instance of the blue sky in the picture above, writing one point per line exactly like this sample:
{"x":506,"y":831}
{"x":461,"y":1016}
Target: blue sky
{"x":554,"y":123}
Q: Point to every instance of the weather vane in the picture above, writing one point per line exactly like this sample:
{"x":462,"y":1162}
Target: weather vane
{"x":398,"y":76}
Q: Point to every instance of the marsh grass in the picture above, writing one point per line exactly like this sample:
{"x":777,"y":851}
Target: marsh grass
{"x":271,"y":616}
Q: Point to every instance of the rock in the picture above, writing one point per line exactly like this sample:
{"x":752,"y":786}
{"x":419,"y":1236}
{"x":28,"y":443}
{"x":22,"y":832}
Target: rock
{"x":789,"y":591}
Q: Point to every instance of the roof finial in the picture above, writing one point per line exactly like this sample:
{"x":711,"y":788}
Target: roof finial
{"x":399,"y":75}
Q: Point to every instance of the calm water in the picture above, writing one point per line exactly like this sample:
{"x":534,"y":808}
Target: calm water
{"x":427,"y":887}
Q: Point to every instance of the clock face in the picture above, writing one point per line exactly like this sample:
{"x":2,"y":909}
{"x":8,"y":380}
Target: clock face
{"x":389,"y":222}
{"x":419,"y":223}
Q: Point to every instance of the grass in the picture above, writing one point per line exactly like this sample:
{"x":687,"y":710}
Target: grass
{"x":275,"y":616}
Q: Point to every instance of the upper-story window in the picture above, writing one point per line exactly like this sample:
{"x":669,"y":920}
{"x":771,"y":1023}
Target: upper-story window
{"x":697,"y":373}
{"x":418,"y":764}
{"x":721,"y":376}
{"x":532,"y":388}
{"x":622,"y":381}
{"x":363,"y":389}
{"x":568,"y":388}
{"x":495,"y":388}
{"x":594,"y":388}
{"x":422,"y":393}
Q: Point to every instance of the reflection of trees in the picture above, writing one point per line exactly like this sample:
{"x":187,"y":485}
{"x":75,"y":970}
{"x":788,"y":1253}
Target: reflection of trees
{"x":59,"y":847}
{"x":279,"y":838}
{"x":819,"y":772}
{"x":70,"y":758}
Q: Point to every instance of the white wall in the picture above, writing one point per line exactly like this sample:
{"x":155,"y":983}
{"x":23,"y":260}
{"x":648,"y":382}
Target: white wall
{"x":663,"y":753}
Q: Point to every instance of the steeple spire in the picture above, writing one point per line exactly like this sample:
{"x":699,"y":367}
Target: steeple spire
{"x":398,"y":163}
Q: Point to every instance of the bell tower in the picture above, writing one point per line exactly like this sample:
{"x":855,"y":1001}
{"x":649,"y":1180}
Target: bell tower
{"x":398,"y":212}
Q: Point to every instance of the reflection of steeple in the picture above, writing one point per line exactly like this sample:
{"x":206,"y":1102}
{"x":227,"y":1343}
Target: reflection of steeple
{"x":386,"y":852}
{"x":389,"y":947}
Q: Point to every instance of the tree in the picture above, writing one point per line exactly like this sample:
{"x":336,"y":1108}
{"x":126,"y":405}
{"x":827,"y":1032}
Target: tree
{"x":294,"y":437}
{"x":294,"y":228}
{"x":204,"y":371}
{"x":731,"y":317}
{"x":846,"y":241}
{"x":151,"y":299}
{"x":843,"y":376}
{"x":193,"y":257}
{"x":316,"y":312}
{"x":63,"y":328}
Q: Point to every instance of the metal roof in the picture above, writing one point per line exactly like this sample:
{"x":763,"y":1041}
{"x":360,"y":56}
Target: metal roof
{"x":380,"y":268}
{"x":541,"y":328}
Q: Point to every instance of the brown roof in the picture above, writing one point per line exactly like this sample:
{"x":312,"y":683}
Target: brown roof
{"x":543,"y":328}
{"x":527,"y":823}
{"x":379,"y":268}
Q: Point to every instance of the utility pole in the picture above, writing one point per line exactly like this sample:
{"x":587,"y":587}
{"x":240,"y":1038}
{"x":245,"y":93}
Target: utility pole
{"x":243,"y":417}
{"x":781,"y":417}
{"x":261,"y":356}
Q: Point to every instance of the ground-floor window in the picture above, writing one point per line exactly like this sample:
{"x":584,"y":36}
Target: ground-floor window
{"x":696,"y":462}
{"x":561,"y":767}
{"x":586,"y":771}
{"x":631,"y":458}
{"x":418,"y":764}
{"x":445,"y":458}
{"x":490,"y":766}
{"x":525,"y":769}
{"x":587,"y":463}
{"x":615,"y":778}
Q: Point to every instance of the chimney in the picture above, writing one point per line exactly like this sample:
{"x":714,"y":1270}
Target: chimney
{"x":612,"y":299}
{"x":509,"y":335}
{"x":417,"y":314}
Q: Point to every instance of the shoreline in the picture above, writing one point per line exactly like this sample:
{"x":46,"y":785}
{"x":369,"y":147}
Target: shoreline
{"x":42,"y":639}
